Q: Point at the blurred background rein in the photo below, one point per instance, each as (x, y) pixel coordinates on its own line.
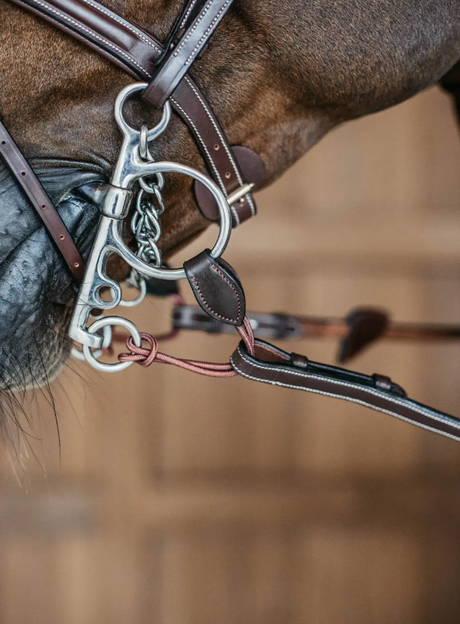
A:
(178, 499)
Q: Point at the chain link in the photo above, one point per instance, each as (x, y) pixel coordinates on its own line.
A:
(145, 223)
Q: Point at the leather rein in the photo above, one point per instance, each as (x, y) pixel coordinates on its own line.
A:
(224, 195)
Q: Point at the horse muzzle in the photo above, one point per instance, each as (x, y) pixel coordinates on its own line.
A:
(36, 288)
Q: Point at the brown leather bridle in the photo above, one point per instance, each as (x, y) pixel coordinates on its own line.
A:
(236, 170)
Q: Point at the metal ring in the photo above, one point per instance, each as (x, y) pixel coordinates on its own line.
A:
(143, 143)
(150, 188)
(78, 354)
(113, 321)
(124, 94)
(142, 288)
(225, 224)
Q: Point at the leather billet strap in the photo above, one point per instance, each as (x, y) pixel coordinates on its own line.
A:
(137, 52)
(273, 366)
(30, 184)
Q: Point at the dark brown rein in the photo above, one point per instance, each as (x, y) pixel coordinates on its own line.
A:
(216, 286)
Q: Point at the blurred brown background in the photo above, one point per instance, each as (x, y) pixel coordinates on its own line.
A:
(184, 500)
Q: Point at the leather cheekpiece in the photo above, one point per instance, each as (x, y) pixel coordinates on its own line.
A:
(178, 60)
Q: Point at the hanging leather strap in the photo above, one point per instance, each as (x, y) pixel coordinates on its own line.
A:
(137, 52)
(273, 366)
(30, 184)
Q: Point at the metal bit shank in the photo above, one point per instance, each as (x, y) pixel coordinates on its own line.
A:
(109, 237)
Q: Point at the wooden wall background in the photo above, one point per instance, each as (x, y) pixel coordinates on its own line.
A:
(180, 500)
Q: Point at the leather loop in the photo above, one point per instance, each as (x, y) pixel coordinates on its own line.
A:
(217, 288)
(382, 382)
(299, 361)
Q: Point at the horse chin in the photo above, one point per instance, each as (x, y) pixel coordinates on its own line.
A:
(35, 359)
(36, 288)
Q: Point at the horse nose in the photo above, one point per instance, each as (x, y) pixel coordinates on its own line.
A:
(37, 289)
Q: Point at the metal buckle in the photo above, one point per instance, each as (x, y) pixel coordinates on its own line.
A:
(239, 193)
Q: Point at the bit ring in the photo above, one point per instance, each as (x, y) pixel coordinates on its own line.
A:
(111, 321)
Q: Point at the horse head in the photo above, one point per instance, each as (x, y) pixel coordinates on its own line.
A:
(278, 78)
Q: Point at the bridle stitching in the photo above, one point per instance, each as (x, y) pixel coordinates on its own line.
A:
(224, 143)
(80, 26)
(205, 34)
(420, 410)
(202, 143)
(132, 59)
(187, 13)
(214, 168)
(130, 27)
(346, 398)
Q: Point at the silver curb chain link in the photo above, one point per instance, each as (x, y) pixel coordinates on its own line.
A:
(145, 223)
